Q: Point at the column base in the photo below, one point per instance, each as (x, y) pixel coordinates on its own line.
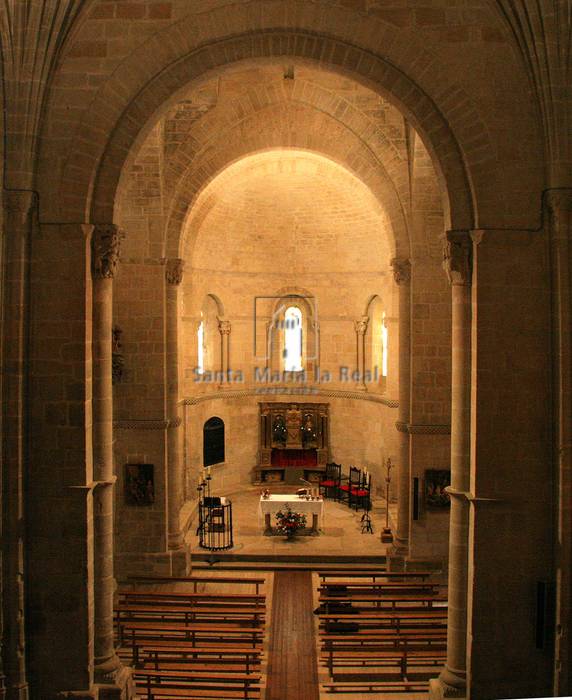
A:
(448, 685)
(114, 681)
(17, 692)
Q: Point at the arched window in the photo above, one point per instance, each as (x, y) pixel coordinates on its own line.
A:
(384, 339)
(201, 348)
(293, 339)
(213, 441)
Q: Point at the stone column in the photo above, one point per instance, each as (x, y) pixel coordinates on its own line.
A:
(559, 204)
(105, 256)
(175, 485)
(361, 329)
(402, 276)
(21, 208)
(224, 328)
(452, 681)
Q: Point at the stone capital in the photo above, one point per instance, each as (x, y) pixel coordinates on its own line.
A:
(401, 270)
(361, 325)
(174, 270)
(559, 204)
(224, 326)
(105, 246)
(457, 257)
(19, 204)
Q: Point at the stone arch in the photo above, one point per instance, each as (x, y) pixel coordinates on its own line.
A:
(367, 152)
(364, 166)
(91, 174)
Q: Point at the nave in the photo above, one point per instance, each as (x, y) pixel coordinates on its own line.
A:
(296, 630)
(280, 619)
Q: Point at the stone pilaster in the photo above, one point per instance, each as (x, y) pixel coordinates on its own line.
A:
(360, 327)
(174, 268)
(402, 276)
(457, 257)
(511, 499)
(106, 241)
(20, 217)
(559, 206)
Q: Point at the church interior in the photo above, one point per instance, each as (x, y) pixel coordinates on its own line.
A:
(285, 345)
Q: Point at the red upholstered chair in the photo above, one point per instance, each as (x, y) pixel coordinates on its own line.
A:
(353, 481)
(359, 497)
(329, 486)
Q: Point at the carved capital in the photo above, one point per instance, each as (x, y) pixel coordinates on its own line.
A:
(559, 204)
(174, 270)
(361, 325)
(457, 257)
(105, 246)
(401, 270)
(224, 326)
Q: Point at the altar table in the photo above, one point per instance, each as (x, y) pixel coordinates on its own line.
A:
(298, 504)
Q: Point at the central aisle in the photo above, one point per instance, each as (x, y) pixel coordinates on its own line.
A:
(292, 663)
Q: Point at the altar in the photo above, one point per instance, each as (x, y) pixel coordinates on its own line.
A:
(300, 504)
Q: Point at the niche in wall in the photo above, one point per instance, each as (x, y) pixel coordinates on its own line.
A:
(213, 441)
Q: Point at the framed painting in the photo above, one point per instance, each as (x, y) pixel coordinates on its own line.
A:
(139, 484)
(436, 481)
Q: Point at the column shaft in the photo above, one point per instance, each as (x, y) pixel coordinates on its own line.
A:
(20, 207)
(559, 204)
(105, 249)
(175, 485)
(402, 276)
(457, 262)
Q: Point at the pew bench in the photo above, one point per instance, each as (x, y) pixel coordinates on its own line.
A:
(187, 613)
(169, 652)
(161, 684)
(175, 598)
(374, 574)
(367, 586)
(376, 687)
(141, 633)
(197, 580)
(403, 658)
(393, 599)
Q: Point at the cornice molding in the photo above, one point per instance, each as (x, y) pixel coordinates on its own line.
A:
(290, 391)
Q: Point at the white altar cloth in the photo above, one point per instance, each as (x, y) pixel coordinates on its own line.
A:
(298, 504)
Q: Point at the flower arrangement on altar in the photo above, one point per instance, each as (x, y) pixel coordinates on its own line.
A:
(289, 522)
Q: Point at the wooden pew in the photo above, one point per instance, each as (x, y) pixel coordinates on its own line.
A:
(136, 634)
(160, 684)
(158, 654)
(196, 580)
(125, 612)
(393, 587)
(385, 619)
(402, 658)
(393, 599)
(374, 574)
(376, 687)
(175, 597)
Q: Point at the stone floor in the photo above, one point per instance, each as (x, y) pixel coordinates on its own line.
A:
(341, 533)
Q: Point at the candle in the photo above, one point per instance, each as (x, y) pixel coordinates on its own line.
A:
(208, 471)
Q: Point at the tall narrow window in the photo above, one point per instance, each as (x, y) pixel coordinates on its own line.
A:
(293, 339)
(201, 348)
(384, 337)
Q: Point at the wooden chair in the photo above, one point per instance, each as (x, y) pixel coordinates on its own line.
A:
(359, 497)
(353, 481)
(331, 483)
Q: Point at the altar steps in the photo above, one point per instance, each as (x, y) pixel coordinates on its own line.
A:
(213, 561)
